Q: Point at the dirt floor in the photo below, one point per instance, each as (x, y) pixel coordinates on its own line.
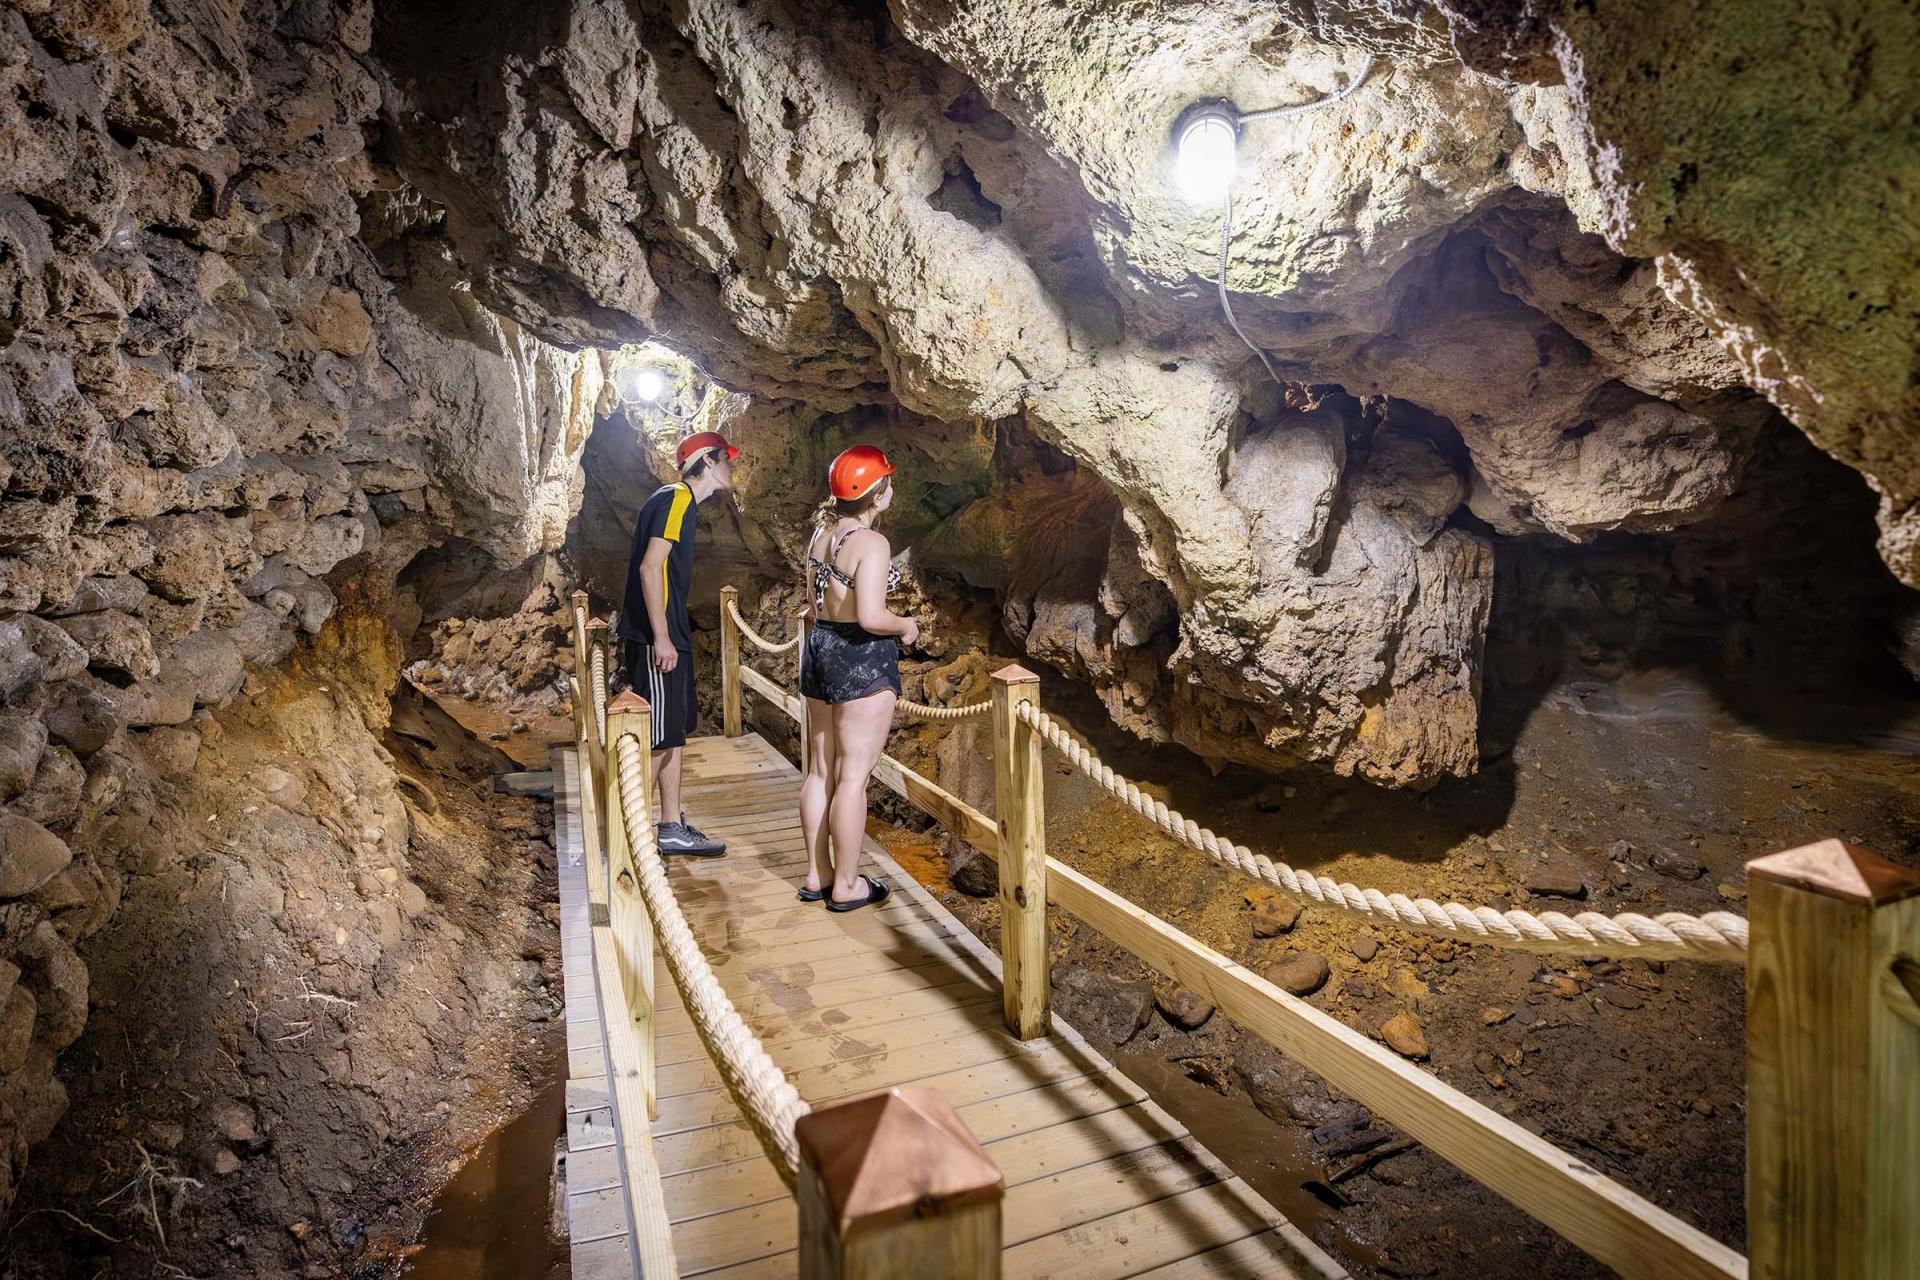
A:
(334, 971)
(1644, 793)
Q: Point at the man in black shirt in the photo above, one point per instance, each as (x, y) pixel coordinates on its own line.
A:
(657, 639)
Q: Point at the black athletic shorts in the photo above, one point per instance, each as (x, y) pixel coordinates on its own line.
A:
(843, 661)
(675, 711)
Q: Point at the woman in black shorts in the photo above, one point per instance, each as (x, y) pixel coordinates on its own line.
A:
(849, 675)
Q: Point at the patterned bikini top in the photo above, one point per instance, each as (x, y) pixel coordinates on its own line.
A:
(819, 571)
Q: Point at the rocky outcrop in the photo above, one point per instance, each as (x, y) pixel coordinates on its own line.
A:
(969, 212)
(220, 408)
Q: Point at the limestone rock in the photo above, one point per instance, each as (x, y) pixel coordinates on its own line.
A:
(1104, 1007)
(30, 855)
(1299, 973)
(1181, 1007)
(22, 740)
(85, 717)
(17, 1012)
(58, 977)
(53, 799)
(969, 870)
(116, 643)
(1403, 1035)
(1281, 1088)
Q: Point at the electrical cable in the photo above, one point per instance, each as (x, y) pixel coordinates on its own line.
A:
(1226, 212)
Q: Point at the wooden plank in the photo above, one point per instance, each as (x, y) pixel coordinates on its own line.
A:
(852, 1020)
(989, 1120)
(628, 1076)
(1019, 792)
(811, 979)
(1147, 1236)
(1275, 1253)
(1621, 1229)
(998, 1070)
(769, 997)
(1023, 1157)
(773, 693)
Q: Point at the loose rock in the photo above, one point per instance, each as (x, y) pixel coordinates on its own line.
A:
(1300, 973)
(1403, 1035)
(1274, 913)
(1102, 1006)
(30, 855)
(1182, 1007)
(968, 870)
(1364, 949)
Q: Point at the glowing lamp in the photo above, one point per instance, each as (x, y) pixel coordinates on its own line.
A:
(1206, 139)
(645, 384)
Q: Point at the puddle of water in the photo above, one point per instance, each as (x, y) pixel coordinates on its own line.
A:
(1275, 1160)
(491, 1221)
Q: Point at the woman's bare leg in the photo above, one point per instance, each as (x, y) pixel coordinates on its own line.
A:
(815, 790)
(859, 736)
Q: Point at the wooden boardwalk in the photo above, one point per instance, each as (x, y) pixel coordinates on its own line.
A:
(1100, 1181)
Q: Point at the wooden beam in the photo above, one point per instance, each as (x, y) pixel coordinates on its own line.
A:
(787, 702)
(729, 662)
(1622, 1230)
(1019, 810)
(1833, 1065)
(626, 1074)
(949, 810)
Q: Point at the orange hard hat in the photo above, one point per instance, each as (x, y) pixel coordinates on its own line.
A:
(854, 473)
(699, 445)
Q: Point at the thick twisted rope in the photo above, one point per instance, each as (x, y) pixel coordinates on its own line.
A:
(1718, 935)
(921, 711)
(754, 638)
(767, 1099)
(598, 661)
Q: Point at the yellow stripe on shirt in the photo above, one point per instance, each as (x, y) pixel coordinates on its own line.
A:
(682, 499)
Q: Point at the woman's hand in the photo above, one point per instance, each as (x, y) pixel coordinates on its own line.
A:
(910, 633)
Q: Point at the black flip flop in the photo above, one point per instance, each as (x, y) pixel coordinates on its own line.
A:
(811, 895)
(876, 894)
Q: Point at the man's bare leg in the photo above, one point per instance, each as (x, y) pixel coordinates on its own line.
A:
(666, 783)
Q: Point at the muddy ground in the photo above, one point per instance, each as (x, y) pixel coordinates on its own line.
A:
(334, 970)
(1644, 793)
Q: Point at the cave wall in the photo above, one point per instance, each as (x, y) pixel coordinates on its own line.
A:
(237, 382)
(967, 211)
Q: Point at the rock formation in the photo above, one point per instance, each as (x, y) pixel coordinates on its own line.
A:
(219, 407)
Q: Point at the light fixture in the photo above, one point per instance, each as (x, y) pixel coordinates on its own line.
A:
(1206, 140)
(645, 383)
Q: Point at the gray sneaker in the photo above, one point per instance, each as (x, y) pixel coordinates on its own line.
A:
(686, 840)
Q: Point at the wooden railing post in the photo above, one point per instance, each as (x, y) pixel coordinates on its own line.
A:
(895, 1186)
(729, 661)
(626, 912)
(582, 676)
(598, 633)
(800, 656)
(1020, 815)
(1833, 1065)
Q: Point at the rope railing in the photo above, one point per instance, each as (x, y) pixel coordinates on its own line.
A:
(757, 640)
(921, 711)
(767, 1099)
(1718, 935)
(598, 658)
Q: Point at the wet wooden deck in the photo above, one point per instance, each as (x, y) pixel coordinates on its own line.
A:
(1101, 1182)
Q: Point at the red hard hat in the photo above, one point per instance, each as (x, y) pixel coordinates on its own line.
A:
(701, 443)
(854, 473)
